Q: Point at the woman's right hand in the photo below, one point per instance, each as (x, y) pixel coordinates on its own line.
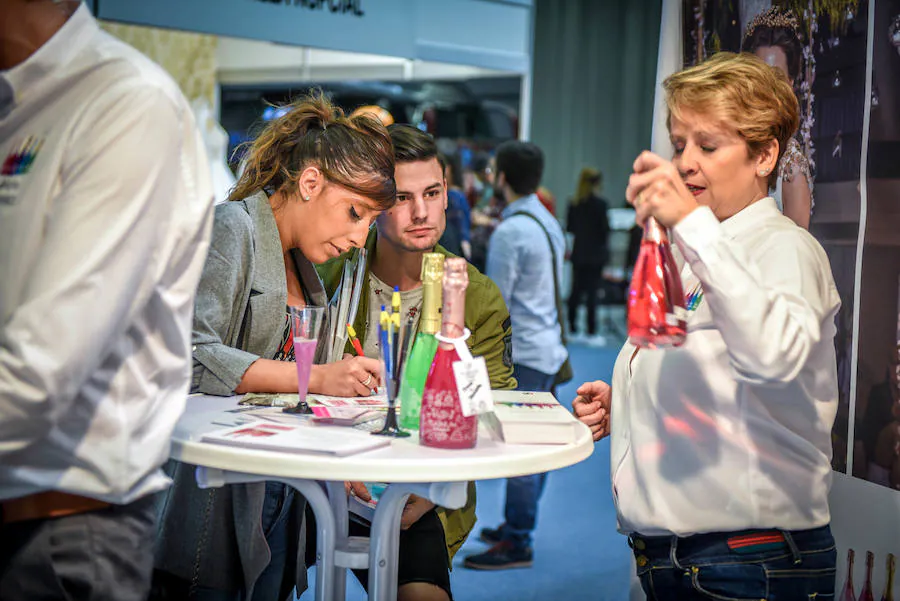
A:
(591, 406)
(351, 376)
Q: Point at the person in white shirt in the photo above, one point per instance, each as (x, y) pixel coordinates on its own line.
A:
(721, 448)
(105, 214)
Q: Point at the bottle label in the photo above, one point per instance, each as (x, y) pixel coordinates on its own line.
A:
(474, 386)
(677, 318)
(472, 381)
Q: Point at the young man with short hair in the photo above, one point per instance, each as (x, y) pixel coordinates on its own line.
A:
(403, 234)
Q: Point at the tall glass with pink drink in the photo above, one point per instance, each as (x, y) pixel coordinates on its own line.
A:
(306, 323)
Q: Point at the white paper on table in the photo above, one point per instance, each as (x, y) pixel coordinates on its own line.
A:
(375, 401)
(268, 436)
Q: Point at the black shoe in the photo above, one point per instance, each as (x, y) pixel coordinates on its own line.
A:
(492, 536)
(502, 556)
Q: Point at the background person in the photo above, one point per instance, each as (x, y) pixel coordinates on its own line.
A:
(525, 260)
(589, 225)
(457, 236)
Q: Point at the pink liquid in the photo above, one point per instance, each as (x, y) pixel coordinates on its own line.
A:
(304, 351)
(656, 313)
(441, 423)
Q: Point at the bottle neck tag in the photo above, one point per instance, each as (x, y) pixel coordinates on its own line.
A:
(472, 380)
(458, 343)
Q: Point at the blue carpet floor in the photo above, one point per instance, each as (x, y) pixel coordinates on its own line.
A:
(579, 556)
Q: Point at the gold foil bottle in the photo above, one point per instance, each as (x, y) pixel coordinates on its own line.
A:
(416, 366)
(432, 282)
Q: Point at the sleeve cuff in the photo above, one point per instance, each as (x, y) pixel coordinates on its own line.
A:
(697, 233)
(221, 368)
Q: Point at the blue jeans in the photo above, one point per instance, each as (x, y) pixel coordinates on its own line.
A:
(523, 492)
(738, 566)
(275, 515)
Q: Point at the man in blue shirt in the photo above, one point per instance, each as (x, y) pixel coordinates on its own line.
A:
(520, 260)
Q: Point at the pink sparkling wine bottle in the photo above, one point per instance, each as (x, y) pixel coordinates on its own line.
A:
(656, 312)
(442, 423)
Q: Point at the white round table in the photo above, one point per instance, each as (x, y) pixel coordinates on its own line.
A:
(438, 475)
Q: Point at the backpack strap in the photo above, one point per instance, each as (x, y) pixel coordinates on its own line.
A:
(556, 293)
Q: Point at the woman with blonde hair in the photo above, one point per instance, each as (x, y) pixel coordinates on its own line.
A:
(589, 225)
(313, 183)
(721, 448)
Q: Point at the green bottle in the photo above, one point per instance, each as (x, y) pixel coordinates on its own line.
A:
(415, 371)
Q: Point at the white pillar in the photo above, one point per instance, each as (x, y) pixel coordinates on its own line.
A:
(669, 61)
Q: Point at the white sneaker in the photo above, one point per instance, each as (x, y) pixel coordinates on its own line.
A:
(596, 341)
(576, 338)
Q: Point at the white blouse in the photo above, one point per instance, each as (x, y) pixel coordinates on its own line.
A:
(732, 430)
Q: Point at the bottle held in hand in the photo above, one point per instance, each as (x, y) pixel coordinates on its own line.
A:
(656, 312)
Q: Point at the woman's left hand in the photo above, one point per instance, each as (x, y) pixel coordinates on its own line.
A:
(657, 190)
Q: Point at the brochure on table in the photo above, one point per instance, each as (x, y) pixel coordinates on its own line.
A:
(530, 418)
(296, 438)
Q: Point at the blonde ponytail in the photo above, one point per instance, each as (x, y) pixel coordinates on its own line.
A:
(355, 153)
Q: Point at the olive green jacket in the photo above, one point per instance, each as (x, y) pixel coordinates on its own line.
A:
(491, 337)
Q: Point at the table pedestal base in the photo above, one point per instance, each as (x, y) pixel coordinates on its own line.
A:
(336, 551)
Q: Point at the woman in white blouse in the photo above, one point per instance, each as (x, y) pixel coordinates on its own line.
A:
(720, 449)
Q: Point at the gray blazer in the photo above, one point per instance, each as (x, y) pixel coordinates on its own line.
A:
(215, 536)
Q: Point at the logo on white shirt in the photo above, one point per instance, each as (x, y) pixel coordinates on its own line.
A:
(20, 160)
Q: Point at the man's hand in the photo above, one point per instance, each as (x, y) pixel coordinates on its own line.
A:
(591, 406)
(415, 508)
(358, 489)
